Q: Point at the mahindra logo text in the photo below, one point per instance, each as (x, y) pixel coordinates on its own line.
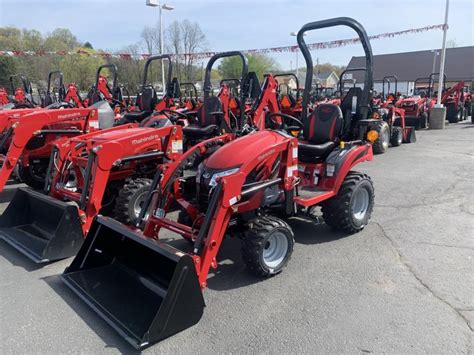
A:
(266, 155)
(145, 139)
(70, 115)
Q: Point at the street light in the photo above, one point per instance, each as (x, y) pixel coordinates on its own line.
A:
(435, 54)
(294, 34)
(156, 3)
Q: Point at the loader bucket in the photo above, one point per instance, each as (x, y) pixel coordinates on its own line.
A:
(41, 227)
(144, 289)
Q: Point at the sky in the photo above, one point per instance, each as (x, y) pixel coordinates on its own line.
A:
(246, 24)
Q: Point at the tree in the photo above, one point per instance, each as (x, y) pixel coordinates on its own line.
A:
(32, 40)
(193, 40)
(10, 39)
(151, 39)
(174, 44)
(7, 68)
(259, 63)
(130, 71)
(328, 67)
(61, 39)
(185, 37)
(81, 69)
(88, 45)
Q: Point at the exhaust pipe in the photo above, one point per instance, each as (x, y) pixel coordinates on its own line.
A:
(144, 289)
(41, 227)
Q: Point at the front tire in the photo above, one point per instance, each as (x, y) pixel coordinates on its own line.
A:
(33, 175)
(383, 141)
(267, 246)
(130, 200)
(351, 208)
(396, 138)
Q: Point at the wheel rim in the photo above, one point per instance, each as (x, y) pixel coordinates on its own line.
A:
(275, 249)
(139, 202)
(385, 138)
(360, 203)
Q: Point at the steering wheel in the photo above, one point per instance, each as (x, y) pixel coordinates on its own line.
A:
(297, 124)
(167, 112)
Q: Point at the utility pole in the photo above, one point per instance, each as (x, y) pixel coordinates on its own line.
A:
(443, 56)
(438, 112)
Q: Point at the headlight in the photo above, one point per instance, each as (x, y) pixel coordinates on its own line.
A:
(213, 181)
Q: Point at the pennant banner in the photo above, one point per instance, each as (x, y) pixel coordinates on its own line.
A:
(204, 55)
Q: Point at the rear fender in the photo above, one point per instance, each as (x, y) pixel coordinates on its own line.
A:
(341, 161)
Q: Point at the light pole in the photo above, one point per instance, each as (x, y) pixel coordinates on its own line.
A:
(156, 3)
(294, 34)
(443, 56)
(435, 54)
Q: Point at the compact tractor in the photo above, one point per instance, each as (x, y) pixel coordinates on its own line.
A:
(22, 95)
(148, 290)
(455, 101)
(107, 171)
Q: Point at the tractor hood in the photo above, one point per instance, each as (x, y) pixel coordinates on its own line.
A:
(127, 134)
(243, 149)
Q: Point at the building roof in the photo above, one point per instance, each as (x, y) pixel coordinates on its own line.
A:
(409, 66)
(323, 75)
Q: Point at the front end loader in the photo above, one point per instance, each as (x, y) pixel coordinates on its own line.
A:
(240, 187)
(87, 174)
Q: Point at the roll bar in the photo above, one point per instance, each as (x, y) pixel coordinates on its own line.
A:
(24, 80)
(193, 88)
(342, 81)
(245, 69)
(169, 74)
(293, 75)
(339, 21)
(113, 67)
(61, 90)
(386, 79)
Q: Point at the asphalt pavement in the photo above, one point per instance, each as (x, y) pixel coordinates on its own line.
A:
(405, 284)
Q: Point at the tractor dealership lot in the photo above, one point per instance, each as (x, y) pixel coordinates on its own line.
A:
(403, 284)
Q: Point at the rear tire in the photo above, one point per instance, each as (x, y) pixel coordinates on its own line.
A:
(452, 114)
(130, 200)
(396, 138)
(383, 141)
(267, 246)
(351, 208)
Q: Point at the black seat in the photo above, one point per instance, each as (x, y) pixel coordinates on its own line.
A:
(207, 122)
(350, 106)
(320, 132)
(146, 102)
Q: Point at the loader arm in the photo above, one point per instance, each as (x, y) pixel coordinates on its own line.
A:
(268, 99)
(455, 90)
(37, 123)
(135, 145)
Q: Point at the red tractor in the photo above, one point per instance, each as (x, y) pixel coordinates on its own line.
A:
(22, 94)
(455, 101)
(239, 189)
(290, 100)
(417, 107)
(106, 172)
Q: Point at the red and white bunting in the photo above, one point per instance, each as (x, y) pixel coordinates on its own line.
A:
(204, 55)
